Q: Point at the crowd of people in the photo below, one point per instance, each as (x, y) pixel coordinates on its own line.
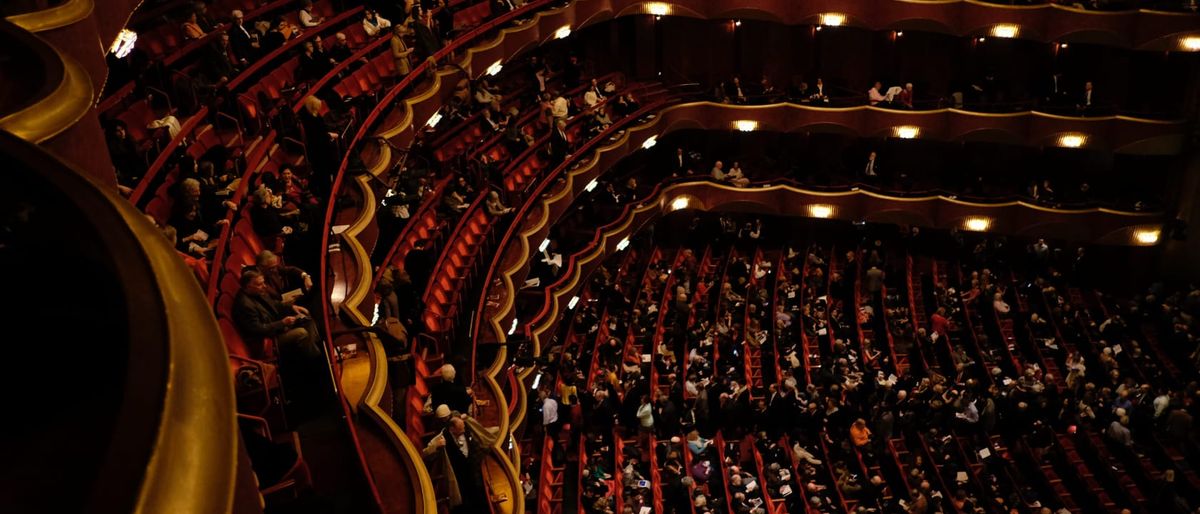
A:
(986, 93)
(870, 406)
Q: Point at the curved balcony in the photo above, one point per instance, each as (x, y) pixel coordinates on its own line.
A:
(57, 94)
(1103, 226)
(1141, 29)
(555, 195)
(133, 409)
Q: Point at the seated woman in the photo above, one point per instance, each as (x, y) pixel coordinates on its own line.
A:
(374, 24)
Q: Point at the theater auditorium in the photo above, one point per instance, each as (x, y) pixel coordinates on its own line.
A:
(600, 256)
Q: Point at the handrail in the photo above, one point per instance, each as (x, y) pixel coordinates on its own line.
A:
(65, 101)
(185, 131)
(178, 401)
(386, 103)
(657, 199)
(422, 483)
(549, 179)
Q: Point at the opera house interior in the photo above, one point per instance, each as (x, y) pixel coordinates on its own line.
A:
(601, 256)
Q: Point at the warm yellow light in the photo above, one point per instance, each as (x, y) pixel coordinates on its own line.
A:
(124, 43)
(1005, 30)
(1190, 43)
(977, 224)
(563, 32)
(495, 68)
(658, 8)
(679, 203)
(1072, 140)
(745, 125)
(907, 132)
(833, 19)
(433, 120)
(820, 210)
(650, 142)
(1147, 237)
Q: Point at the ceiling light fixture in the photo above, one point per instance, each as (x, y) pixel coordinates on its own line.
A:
(1147, 237)
(907, 132)
(1006, 31)
(833, 19)
(977, 224)
(1072, 140)
(745, 125)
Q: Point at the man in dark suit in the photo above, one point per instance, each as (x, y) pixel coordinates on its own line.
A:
(679, 163)
(256, 316)
(419, 263)
(560, 146)
(244, 40)
(460, 453)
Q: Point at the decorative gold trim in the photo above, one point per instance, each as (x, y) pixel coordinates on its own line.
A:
(193, 465)
(59, 110)
(71, 11)
(192, 456)
(425, 496)
(662, 125)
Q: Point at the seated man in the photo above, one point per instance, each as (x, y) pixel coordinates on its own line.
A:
(282, 279)
(257, 315)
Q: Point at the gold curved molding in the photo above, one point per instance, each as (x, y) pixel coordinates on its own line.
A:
(661, 125)
(192, 460)
(59, 110)
(423, 493)
(70, 12)
(535, 24)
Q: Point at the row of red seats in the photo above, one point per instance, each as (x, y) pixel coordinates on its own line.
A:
(457, 263)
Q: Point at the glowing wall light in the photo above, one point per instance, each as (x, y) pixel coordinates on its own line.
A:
(513, 329)
(1072, 140)
(545, 244)
(649, 143)
(1147, 236)
(433, 120)
(820, 210)
(495, 68)
(1190, 43)
(907, 132)
(562, 32)
(833, 19)
(658, 8)
(977, 224)
(1005, 30)
(123, 44)
(573, 302)
(745, 125)
(591, 185)
(623, 244)
(679, 203)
